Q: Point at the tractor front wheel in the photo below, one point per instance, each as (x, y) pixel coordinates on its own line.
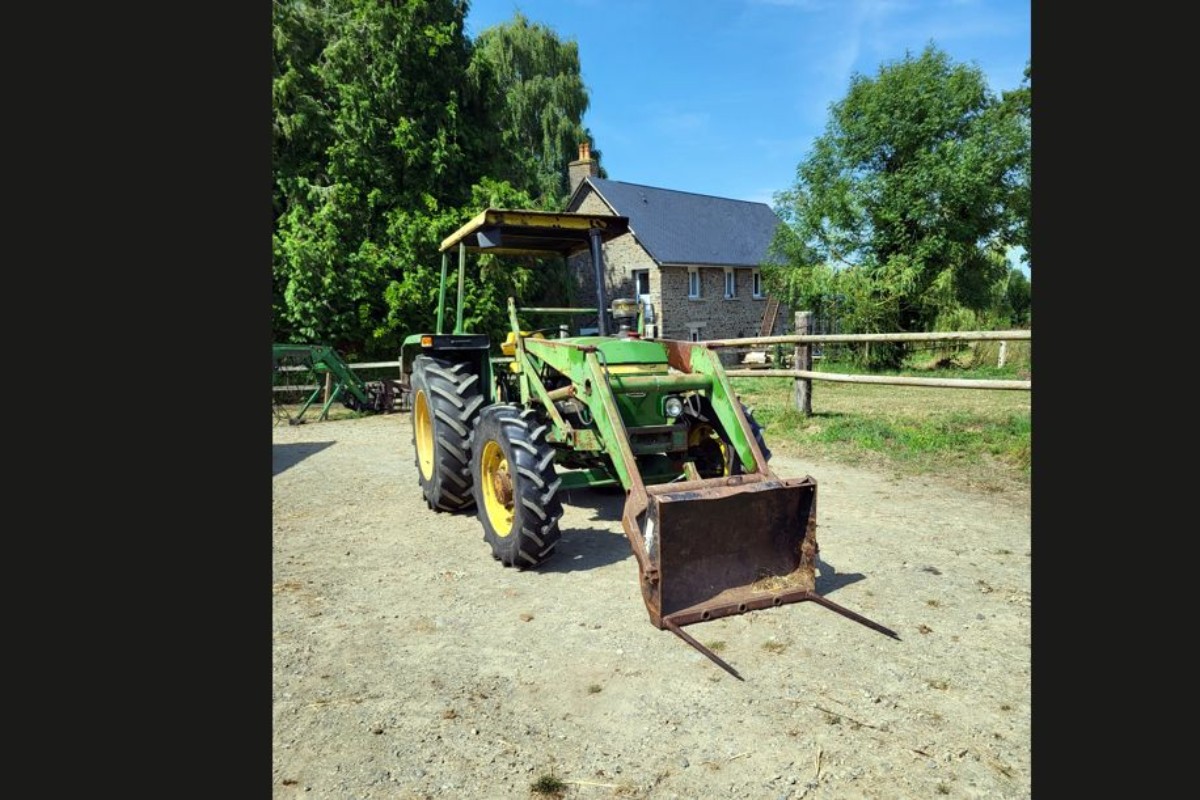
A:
(709, 445)
(445, 401)
(515, 485)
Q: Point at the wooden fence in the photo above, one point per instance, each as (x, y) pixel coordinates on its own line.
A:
(802, 360)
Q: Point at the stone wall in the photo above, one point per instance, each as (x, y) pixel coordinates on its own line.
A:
(622, 255)
(712, 314)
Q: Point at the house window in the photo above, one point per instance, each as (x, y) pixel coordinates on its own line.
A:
(730, 284)
(641, 282)
(694, 331)
(693, 283)
(756, 282)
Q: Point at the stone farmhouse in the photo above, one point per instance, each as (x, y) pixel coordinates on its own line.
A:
(694, 258)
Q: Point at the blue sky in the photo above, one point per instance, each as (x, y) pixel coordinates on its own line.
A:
(725, 97)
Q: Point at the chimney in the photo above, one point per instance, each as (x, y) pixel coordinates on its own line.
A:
(583, 167)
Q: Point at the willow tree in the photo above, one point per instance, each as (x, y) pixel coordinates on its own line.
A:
(911, 194)
(532, 84)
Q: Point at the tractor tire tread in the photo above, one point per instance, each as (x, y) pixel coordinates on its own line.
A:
(452, 391)
(537, 508)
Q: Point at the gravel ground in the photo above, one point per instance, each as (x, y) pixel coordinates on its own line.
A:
(410, 664)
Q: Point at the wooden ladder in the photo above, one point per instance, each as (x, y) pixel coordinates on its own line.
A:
(769, 315)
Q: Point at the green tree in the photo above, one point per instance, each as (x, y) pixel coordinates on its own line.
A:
(1019, 104)
(489, 281)
(1018, 297)
(532, 83)
(389, 131)
(909, 195)
(526, 86)
(300, 127)
(374, 132)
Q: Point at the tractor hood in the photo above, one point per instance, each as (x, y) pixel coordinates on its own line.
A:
(626, 350)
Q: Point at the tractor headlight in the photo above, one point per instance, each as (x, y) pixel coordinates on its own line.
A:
(672, 406)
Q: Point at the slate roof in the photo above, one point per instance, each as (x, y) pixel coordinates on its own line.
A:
(685, 228)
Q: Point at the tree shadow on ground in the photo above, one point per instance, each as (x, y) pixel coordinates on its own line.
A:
(286, 456)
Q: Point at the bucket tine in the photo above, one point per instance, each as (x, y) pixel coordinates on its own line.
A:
(859, 618)
(716, 659)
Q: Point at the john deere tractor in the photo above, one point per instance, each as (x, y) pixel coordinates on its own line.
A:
(713, 530)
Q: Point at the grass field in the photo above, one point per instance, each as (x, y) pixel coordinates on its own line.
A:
(978, 438)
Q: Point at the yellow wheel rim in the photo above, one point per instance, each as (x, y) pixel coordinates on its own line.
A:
(423, 424)
(706, 434)
(497, 488)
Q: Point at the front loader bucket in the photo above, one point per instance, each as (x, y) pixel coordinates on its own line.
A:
(727, 548)
(722, 546)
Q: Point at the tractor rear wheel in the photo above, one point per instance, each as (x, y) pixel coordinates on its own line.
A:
(445, 401)
(515, 485)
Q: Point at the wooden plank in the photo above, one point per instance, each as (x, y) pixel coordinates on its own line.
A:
(893, 380)
(948, 336)
(769, 315)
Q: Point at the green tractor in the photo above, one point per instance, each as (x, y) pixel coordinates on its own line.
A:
(713, 530)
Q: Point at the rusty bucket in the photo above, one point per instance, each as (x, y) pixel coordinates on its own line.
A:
(730, 548)
(712, 548)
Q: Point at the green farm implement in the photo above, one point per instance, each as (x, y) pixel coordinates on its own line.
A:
(316, 363)
(715, 532)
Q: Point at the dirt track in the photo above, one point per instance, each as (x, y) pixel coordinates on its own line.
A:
(410, 664)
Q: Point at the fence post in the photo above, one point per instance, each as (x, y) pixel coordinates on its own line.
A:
(802, 359)
(328, 387)
(1003, 353)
